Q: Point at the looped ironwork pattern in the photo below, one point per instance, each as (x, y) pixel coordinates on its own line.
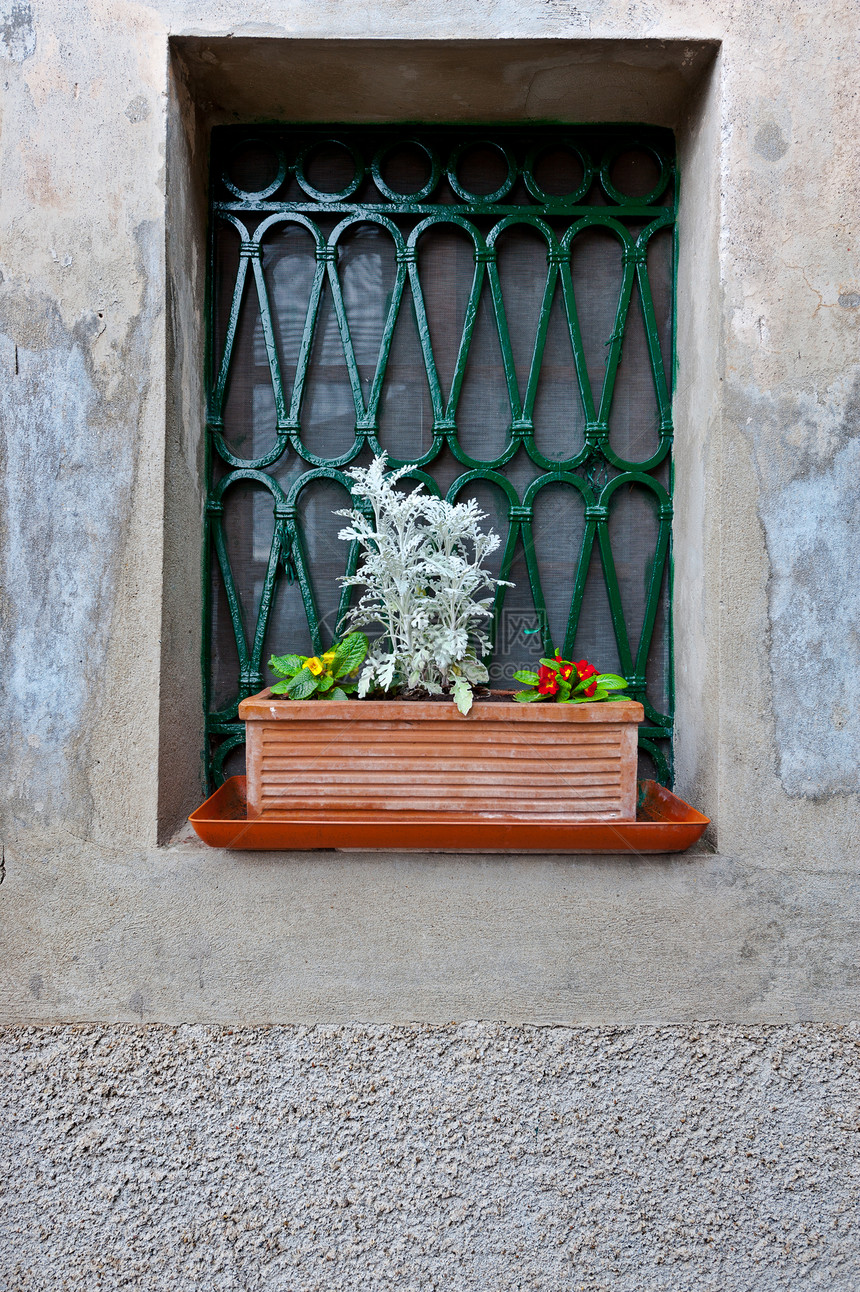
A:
(367, 194)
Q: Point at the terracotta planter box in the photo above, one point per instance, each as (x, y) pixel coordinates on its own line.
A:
(396, 761)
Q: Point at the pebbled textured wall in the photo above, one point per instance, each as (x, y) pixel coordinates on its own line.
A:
(367, 1159)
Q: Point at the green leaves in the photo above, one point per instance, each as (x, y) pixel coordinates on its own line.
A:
(302, 686)
(286, 665)
(343, 660)
(526, 676)
(607, 683)
(561, 680)
(349, 654)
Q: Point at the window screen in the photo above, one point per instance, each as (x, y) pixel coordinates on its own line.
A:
(493, 305)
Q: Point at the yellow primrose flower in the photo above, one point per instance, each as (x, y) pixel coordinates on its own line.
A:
(328, 659)
(314, 665)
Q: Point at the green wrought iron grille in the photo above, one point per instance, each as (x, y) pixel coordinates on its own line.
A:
(493, 305)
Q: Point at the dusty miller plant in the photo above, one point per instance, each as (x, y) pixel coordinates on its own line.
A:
(422, 570)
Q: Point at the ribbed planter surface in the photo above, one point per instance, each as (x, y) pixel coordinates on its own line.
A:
(366, 759)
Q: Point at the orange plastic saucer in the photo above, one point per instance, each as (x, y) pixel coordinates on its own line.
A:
(664, 823)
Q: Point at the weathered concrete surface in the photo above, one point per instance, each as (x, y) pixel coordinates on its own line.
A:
(358, 1159)
(806, 453)
(112, 388)
(190, 934)
(102, 158)
(82, 413)
(181, 773)
(506, 78)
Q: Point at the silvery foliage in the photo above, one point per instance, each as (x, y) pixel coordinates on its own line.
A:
(422, 570)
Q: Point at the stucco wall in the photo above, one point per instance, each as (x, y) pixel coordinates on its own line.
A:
(473, 1157)
(104, 146)
(106, 113)
(106, 106)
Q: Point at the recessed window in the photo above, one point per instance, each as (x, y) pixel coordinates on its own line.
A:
(494, 305)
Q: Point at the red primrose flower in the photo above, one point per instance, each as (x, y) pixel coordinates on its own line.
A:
(584, 670)
(547, 680)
